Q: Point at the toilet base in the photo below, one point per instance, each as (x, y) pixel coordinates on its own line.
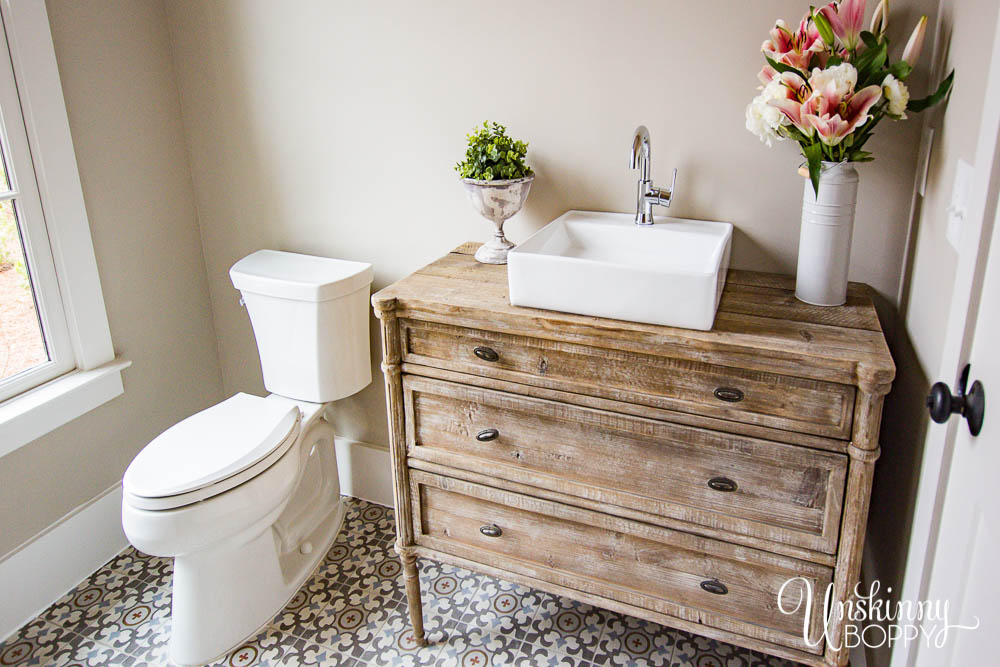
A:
(225, 595)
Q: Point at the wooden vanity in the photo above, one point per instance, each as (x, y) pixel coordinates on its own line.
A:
(675, 475)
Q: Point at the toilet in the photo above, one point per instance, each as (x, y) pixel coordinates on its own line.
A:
(244, 495)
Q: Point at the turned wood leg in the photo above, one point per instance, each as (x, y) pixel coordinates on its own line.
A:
(412, 579)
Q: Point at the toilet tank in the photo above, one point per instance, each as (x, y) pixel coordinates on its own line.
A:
(310, 319)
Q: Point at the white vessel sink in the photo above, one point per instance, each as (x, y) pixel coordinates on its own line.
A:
(603, 264)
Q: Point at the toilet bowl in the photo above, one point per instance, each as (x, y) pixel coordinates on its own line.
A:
(245, 495)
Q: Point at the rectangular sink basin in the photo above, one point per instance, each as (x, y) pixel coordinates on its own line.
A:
(603, 264)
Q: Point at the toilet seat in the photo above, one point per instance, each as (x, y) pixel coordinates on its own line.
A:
(211, 452)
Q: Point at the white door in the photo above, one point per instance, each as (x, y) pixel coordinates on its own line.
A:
(954, 532)
(969, 539)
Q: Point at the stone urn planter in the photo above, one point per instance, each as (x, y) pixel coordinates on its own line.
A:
(496, 201)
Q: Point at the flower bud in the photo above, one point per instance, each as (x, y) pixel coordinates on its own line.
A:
(880, 19)
(916, 43)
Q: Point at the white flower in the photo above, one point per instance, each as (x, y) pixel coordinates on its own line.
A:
(897, 94)
(842, 78)
(763, 119)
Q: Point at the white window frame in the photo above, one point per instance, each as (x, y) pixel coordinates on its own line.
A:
(83, 372)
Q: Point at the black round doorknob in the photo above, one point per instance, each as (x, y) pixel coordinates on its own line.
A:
(941, 404)
(971, 404)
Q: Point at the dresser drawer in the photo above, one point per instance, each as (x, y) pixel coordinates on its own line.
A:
(723, 482)
(688, 577)
(764, 399)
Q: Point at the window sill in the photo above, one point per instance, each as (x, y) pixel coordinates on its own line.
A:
(32, 414)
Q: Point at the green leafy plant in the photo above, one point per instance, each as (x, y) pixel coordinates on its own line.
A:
(492, 155)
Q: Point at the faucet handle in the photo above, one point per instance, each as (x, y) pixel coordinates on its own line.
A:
(673, 184)
(663, 197)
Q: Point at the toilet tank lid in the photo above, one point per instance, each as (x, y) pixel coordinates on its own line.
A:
(289, 275)
(211, 446)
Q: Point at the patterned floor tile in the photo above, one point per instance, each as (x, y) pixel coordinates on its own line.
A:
(533, 655)
(89, 604)
(42, 643)
(566, 627)
(446, 590)
(273, 648)
(368, 519)
(697, 651)
(500, 607)
(635, 643)
(761, 660)
(381, 574)
(394, 644)
(469, 646)
(132, 623)
(34, 642)
(353, 612)
(342, 565)
(369, 566)
(151, 569)
(152, 646)
(347, 624)
(306, 607)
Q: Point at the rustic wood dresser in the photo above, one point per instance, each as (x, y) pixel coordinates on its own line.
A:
(679, 476)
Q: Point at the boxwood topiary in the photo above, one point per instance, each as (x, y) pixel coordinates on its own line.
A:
(492, 155)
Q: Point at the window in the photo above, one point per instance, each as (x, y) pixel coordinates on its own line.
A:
(56, 357)
(34, 341)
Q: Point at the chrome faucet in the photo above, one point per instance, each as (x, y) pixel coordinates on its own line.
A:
(648, 195)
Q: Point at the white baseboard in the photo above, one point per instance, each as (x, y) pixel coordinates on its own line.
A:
(40, 571)
(365, 471)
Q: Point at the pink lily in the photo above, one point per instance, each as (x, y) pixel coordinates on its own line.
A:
(847, 20)
(792, 106)
(766, 74)
(795, 49)
(848, 115)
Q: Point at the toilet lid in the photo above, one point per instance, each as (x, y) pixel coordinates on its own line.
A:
(211, 446)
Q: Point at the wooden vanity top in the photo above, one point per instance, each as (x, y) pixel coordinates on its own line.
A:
(760, 324)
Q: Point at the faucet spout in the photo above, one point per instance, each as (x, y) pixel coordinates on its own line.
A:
(640, 155)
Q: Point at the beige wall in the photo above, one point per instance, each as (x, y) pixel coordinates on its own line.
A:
(919, 332)
(121, 96)
(934, 260)
(332, 128)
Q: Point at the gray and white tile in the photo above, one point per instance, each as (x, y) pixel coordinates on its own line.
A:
(501, 607)
(566, 627)
(353, 612)
(634, 642)
(467, 646)
(42, 643)
(394, 644)
(697, 651)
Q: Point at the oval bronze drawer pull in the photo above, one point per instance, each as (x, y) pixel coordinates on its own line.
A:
(714, 586)
(486, 353)
(487, 434)
(729, 394)
(722, 484)
(492, 530)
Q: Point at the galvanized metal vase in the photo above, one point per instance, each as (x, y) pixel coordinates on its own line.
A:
(497, 201)
(825, 238)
